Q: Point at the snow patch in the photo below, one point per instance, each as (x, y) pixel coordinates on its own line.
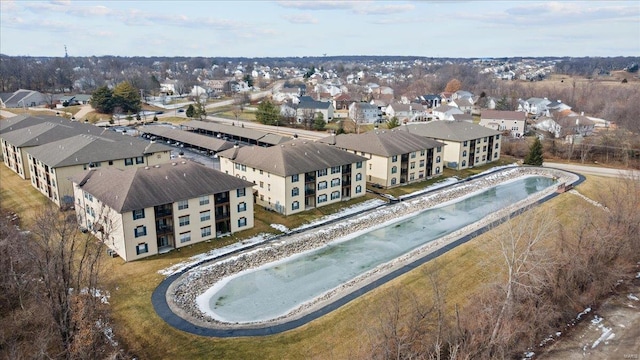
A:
(632, 297)
(584, 312)
(280, 228)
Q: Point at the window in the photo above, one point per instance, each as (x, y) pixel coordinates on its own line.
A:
(139, 160)
(464, 143)
(322, 185)
(237, 166)
(394, 158)
(205, 215)
(128, 162)
(205, 231)
(359, 165)
(335, 170)
(413, 165)
(421, 163)
(438, 159)
(140, 231)
(439, 149)
(497, 145)
(412, 177)
(495, 156)
(138, 214)
(242, 222)
(241, 192)
(261, 172)
(335, 182)
(438, 170)
(142, 248)
(242, 207)
(422, 152)
(477, 158)
(110, 162)
(295, 191)
(464, 153)
(87, 209)
(358, 189)
(243, 167)
(335, 195)
(204, 199)
(261, 184)
(183, 204)
(185, 236)
(295, 205)
(268, 187)
(413, 155)
(295, 177)
(322, 172)
(464, 163)
(358, 177)
(484, 157)
(484, 148)
(497, 136)
(322, 198)
(184, 220)
(394, 169)
(393, 181)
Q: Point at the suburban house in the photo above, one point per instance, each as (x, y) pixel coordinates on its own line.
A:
(430, 100)
(51, 164)
(298, 175)
(307, 104)
(365, 113)
(513, 121)
(405, 112)
(139, 212)
(22, 99)
(463, 117)
(466, 144)
(395, 157)
(342, 102)
(534, 106)
(465, 104)
(576, 125)
(461, 94)
(445, 112)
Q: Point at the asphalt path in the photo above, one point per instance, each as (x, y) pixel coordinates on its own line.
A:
(593, 170)
(161, 306)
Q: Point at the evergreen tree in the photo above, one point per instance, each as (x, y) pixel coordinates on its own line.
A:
(102, 100)
(126, 97)
(191, 111)
(267, 113)
(534, 157)
(393, 123)
(319, 122)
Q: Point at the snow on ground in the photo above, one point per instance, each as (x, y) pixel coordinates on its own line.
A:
(590, 201)
(633, 297)
(280, 228)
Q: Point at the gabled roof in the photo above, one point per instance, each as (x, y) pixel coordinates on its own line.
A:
(47, 132)
(292, 157)
(307, 102)
(503, 115)
(382, 142)
(449, 130)
(143, 187)
(448, 109)
(463, 117)
(85, 149)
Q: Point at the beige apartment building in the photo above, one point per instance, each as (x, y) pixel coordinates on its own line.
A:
(466, 144)
(298, 175)
(394, 157)
(139, 212)
(52, 164)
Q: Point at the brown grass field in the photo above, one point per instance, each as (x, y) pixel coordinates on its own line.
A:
(341, 334)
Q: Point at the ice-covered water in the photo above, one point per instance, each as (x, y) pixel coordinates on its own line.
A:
(277, 288)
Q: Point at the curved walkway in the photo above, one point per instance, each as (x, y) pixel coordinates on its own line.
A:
(161, 306)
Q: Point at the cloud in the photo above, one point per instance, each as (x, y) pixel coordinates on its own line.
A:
(384, 9)
(300, 19)
(357, 7)
(317, 5)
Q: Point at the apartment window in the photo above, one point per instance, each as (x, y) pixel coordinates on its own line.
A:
(237, 166)
(422, 152)
(87, 209)
(110, 162)
(128, 161)
(335, 170)
(484, 157)
(497, 136)
(241, 192)
(184, 220)
(394, 169)
(242, 222)
(335, 182)
(295, 177)
(242, 207)
(393, 181)
(477, 158)
(205, 231)
(268, 187)
(358, 176)
(464, 153)
(243, 167)
(138, 214)
(183, 204)
(394, 158)
(497, 145)
(185, 237)
(139, 160)
(260, 172)
(413, 155)
(412, 177)
(335, 195)
(464, 143)
(205, 215)
(322, 198)
(142, 248)
(359, 165)
(204, 199)
(464, 163)
(413, 165)
(295, 191)
(358, 189)
(439, 149)
(438, 170)
(484, 140)
(322, 185)
(438, 159)
(421, 163)
(322, 172)
(261, 184)
(295, 205)
(495, 156)
(140, 231)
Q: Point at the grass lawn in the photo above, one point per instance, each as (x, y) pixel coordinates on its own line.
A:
(340, 334)
(244, 115)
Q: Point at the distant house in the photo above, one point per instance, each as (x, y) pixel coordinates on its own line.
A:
(139, 212)
(395, 157)
(431, 100)
(465, 104)
(534, 106)
(467, 145)
(445, 112)
(22, 99)
(576, 125)
(342, 102)
(405, 112)
(463, 117)
(513, 121)
(308, 104)
(556, 106)
(461, 94)
(365, 112)
(298, 175)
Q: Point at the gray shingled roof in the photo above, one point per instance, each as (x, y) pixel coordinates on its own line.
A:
(383, 142)
(85, 149)
(47, 132)
(142, 187)
(503, 115)
(188, 137)
(449, 130)
(293, 157)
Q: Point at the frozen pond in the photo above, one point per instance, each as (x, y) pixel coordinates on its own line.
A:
(276, 288)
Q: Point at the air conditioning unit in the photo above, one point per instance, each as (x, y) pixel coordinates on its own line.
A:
(112, 253)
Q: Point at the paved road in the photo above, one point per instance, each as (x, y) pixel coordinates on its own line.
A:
(592, 170)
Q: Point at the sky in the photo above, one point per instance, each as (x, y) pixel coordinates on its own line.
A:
(264, 28)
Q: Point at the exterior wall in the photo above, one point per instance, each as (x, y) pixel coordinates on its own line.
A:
(380, 168)
(234, 200)
(485, 151)
(15, 158)
(517, 127)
